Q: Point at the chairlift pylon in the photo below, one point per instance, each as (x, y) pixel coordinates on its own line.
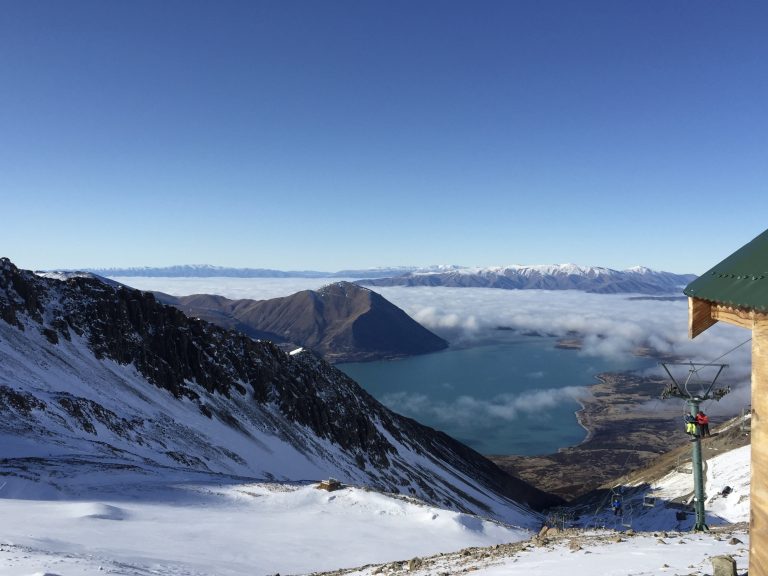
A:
(693, 399)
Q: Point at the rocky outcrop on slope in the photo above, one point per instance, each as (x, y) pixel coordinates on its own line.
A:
(342, 322)
(81, 359)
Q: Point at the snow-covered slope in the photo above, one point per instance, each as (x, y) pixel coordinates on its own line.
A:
(107, 377)
(198, 524)
(648, 538)
(638, 280)
(666, 503)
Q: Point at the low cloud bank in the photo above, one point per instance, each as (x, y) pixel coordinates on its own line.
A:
(611, 326)
(468, 410)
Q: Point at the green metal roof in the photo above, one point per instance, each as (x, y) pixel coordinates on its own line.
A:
(740, 280)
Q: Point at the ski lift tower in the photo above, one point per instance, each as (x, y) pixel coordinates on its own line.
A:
(694, 391)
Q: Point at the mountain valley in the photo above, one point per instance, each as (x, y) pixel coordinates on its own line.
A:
(118, 409)
(105, 374)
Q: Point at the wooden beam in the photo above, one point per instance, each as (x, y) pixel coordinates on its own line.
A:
(758, 514)
(742, 317)
(736, 316)
(702, 314)
(699, 316)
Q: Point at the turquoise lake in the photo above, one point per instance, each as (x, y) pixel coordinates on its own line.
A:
(514, 395)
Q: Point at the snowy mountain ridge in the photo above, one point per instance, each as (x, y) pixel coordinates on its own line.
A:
(595, 279)
(386, 272)
(207, 270)
(108, 377)
(551, 269)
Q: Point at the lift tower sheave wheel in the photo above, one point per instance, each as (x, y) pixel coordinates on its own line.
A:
(694, 391)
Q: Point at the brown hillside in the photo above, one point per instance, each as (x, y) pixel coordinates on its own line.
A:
(343, 322)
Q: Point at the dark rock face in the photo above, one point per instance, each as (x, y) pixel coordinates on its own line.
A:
(342, 322)
(201, 363)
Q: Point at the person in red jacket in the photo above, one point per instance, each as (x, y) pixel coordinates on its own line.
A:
(703, 421)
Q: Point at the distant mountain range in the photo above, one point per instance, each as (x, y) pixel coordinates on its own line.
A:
(638, 280)
(207, 271)
(343, 322)
(595, 279)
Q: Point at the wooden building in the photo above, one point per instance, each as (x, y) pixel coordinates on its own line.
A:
(736, 291)
(330, 485)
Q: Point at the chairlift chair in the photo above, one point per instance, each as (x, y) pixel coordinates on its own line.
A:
(694, 385)
(626, 518)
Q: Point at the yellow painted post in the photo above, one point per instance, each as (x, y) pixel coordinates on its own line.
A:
(758, 522)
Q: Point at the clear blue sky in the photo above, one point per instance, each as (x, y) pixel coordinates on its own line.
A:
(336, 134)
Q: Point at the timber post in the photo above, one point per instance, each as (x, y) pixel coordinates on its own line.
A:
(758, 517)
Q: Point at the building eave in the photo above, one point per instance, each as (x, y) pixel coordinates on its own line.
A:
(704, 313)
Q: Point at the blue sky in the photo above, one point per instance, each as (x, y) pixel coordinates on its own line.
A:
(341, 134)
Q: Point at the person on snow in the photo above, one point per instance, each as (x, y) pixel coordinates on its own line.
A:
(703, 422)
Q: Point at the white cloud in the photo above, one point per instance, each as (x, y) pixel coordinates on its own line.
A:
(468, 411)
(612, 326)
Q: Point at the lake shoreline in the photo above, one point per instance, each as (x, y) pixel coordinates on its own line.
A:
(516, 394)
(624, 433)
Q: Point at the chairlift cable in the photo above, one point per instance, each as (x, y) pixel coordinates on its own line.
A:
(615, 491)
(731, 350)
(724, 355)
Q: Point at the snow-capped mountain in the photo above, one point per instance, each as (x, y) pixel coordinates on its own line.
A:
(637, 280)
(108, 377)
(205, 271)
(208, 271)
